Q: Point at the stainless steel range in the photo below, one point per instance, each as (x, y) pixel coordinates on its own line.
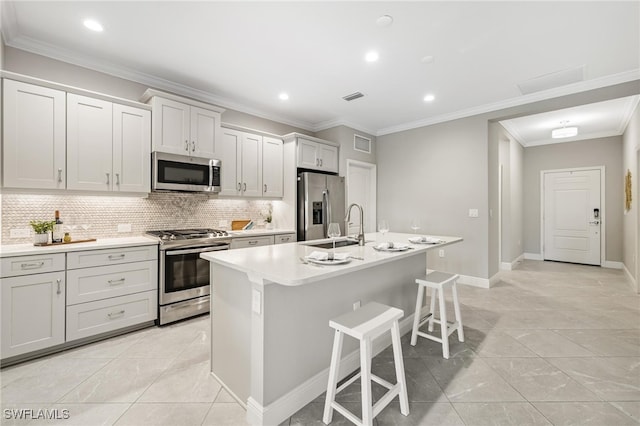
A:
(184, 277)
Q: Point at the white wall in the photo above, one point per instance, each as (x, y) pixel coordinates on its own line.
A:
(631, 218)
(344, 136)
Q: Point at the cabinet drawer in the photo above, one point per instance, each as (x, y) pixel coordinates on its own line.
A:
(88, 319)
(34, 264)
(285, 238)
(85, 259)
(251, 242)
(89, 284)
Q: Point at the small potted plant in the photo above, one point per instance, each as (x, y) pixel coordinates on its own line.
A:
(41, 229)
(268, 217)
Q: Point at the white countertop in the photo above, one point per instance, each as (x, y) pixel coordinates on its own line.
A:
(101, 243)
(281, 263)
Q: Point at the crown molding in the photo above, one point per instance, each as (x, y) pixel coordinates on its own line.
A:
(65, 55)
(628, 113)
(513, 132)
(596, 83)
(324, 125)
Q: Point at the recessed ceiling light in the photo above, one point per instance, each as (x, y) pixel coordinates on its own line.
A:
(384, 21)
(427, 59)
(371, 56)
(283, 96)
(429, 97)
(93, 25)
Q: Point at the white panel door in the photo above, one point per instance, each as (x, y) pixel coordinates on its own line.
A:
(204, 128)
(34, 136)
(272, 167)
(229, 151)
(251, 165)
(131, 149)
(89, 143)
(572, 216)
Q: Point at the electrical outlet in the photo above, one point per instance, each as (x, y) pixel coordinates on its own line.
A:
(19, 233)
(124, 227)
(223, 224)
(256, 301)
(473, 212)
(356, 305)
(441, 253)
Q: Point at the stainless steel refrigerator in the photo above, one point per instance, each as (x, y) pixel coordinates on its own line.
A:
(321, 200)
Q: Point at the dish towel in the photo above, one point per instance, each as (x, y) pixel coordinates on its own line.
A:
(425, 240)
(324, 255)
(391, 245)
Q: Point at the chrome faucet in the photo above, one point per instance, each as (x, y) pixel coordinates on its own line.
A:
(346, 223)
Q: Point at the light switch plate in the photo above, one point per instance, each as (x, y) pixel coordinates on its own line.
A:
(473, 212)
(256, 301)
(19, 233)
(124, 227)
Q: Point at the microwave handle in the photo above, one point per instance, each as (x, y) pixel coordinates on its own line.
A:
(210, 173)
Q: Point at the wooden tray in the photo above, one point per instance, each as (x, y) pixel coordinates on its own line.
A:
(237, 225)
(88, 240)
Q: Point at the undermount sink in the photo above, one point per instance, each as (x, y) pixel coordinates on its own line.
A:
(339, 243)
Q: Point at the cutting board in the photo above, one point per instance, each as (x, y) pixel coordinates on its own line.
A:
(237, 225)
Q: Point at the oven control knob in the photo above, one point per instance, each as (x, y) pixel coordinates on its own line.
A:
(172, 237)
(212, 234)
(164, 237)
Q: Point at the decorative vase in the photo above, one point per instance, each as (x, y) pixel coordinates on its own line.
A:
(40, 239)
(269, 225)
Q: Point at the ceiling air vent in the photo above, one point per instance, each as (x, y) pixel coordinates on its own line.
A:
(352, 96)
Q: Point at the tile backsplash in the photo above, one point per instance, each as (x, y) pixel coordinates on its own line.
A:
(102, 214)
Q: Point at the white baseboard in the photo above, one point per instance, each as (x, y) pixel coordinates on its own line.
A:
(613, 265)
(495, 279)
(533, 256)
(506, 266)
(290, 403)
(474, 281)
(634, 282)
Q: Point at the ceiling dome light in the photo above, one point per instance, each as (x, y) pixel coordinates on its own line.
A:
(384, 21)
(283, 96)
(371, 56)
(564, 131)
(93, 25)
(429, 98)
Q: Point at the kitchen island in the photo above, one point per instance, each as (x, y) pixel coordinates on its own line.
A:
(270, 312)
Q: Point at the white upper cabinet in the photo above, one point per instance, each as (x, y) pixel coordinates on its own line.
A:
(131, 149)
(34, 135)
(89, 143)
(317, 155)
(251, 165)
(230, 179)
(272, 167)
(184, 127)
(108, 146)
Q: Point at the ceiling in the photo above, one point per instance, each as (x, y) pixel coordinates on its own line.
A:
(473, 57)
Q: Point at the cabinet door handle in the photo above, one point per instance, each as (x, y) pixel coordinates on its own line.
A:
(107, 178)
(239, 186)
(265, 187)
(186, 145)
(317, 162)
(321, 162)
(193, 146)
(117, 178)
(116, 256)
(112, 315)
(244, 187)
(60, 175)
(31, 265)
(59, 281)
(116, 282)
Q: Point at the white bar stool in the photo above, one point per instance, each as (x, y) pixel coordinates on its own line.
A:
(365, 324)
(437, 281)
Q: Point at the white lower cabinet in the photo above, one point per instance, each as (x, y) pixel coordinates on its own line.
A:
(33, 312)
(100, 316)
(245, 242)
(284, 238)
(110, 289)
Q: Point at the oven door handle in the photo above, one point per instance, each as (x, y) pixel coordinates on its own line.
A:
(197, 250)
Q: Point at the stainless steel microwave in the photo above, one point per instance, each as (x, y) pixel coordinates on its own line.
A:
(172, 172)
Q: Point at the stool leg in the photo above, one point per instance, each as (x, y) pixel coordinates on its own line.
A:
(456, 308)
(365, 377)
(443, 325)
(432, 308)
(416, 316)
(334, 368)
(399, 363)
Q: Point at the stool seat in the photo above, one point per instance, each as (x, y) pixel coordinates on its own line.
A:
(365, 324)
(437, 281)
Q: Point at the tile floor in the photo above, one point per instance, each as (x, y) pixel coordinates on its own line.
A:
(551, 344)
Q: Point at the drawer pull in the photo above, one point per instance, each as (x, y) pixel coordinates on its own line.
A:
(112, 315)
(116, 256)
(116, 282)
(59, 281)
(285, 239)
(253, 243)
(35, 265)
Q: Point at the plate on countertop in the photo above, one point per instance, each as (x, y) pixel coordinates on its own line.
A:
(394, 247)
